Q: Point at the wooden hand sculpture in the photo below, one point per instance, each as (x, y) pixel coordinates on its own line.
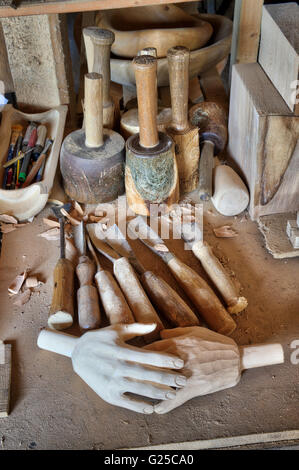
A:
(112, 368)
(213, 362)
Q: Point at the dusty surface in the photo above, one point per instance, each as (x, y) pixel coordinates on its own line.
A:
(52, 408)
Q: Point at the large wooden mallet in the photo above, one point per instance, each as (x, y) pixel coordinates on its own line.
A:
(92, 159)
(185, 136)
(151, 175)
(98, 47)
(211, 120)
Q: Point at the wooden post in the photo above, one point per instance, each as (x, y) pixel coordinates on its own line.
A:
(246, 31)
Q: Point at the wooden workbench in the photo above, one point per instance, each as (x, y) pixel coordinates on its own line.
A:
(52, 408)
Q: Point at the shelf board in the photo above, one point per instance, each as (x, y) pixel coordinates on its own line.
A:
(26, 8)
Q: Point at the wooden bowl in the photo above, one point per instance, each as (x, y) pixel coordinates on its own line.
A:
(201, 60)
(159, 26)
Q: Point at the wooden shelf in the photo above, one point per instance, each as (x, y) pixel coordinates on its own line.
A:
(26, 8)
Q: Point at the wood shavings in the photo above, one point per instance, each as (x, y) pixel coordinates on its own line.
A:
(72, 220)
(8, 219)
(95, 219)
(52, 234)
(51, 222)
(78, 208)
(160, 247)
(17, 283)
(32, 282)
(226, 231)
(23, 298)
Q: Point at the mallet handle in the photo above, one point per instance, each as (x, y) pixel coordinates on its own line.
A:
(98, 46)
(178, 68)
(145, 67)
(93, 110)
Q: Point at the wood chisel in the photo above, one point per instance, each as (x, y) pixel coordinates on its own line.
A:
(135, 295)
(192, 234)
(164, 298)
(112, 298)
(62, 308)
(89, 316)
(199, 292)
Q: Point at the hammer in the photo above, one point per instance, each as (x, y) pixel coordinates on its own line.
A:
(151, 175)
(185, 136)
(62, 308)
(92, 159)
(211, 119)
(98, 46)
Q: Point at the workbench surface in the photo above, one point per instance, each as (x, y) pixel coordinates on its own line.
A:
(52, 408)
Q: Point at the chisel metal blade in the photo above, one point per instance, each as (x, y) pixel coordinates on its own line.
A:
(79, 238)
(117, 240)
(191, 233)
(100, 245)
(151, 239)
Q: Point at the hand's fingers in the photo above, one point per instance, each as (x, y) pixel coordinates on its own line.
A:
(168, 405)
(135, 405)
(158, 376)
(133, 354)
(149, 390)
(129, 331)
(174, 332)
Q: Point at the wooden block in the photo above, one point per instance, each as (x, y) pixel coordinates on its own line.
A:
(38, 55)
(5, 378)
(293, 233)
(279, 49)
(273, 228)
(263, 142)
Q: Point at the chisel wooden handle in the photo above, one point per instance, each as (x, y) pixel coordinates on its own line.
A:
(98, 46)
(136, 297)
(219, 276)
(34, 170)
(89, 316)
(112, 298)
(206, 164)
(145, 67)
(62, 308)
(168, 301)
(203, 297)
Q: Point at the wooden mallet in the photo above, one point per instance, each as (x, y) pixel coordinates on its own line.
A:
(211, 120)
(185, 136)
(151, 175)
(92, 159)
(98, 47)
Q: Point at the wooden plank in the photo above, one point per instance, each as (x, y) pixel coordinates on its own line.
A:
(263, 142)
(42, 8)
(279, 49)
(246, 31)
(5, 378)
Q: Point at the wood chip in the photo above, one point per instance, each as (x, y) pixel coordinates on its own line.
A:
(94, 218)
(160, 247)
(52, 234)
(17, 283)
(23, 298)
(72, 220)
(8, 219)
(51, 222)
(31, 282)
(78, 208)
(6, 228)
(226, 231)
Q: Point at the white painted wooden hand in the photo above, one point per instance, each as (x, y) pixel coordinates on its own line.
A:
(212, 362)
(113, 368)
